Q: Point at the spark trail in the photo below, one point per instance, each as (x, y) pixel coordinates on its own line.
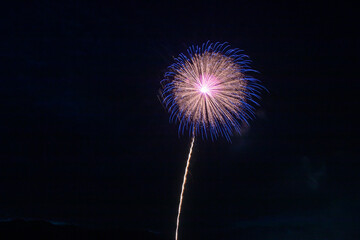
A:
(183, 187)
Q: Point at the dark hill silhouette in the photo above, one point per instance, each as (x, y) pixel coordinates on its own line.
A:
(20, 229)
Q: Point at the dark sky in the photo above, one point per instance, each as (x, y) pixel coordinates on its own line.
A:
(85, 140)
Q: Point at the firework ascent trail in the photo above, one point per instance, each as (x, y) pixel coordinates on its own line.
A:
(183, 186)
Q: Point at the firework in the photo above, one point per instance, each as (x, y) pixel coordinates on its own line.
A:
(209, 92)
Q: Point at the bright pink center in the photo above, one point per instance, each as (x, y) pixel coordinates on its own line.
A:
(206, 83)
(204, 89)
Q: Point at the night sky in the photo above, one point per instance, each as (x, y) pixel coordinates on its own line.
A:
(86, 141)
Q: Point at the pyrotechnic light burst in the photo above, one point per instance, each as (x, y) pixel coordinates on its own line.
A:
(209, 92)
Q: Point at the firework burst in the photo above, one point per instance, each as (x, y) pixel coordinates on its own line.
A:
(209, 92)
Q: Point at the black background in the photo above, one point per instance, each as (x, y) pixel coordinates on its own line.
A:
(85, 140)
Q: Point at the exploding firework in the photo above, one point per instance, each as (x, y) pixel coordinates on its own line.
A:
(209, 92)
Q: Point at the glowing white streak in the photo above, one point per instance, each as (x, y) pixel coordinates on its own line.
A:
(183, 187)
